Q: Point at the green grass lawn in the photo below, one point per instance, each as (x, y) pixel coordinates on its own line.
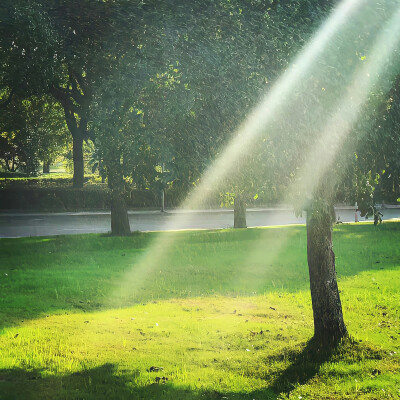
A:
(226, 314)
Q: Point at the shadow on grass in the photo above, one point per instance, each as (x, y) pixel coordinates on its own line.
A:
(103, 383)
(305, 364)
(109, 382)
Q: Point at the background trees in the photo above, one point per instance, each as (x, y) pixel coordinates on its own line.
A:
(375, 168)
(32, 132)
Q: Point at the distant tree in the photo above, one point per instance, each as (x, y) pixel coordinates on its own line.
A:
(53, 47)
(28, 64)
(31, 130)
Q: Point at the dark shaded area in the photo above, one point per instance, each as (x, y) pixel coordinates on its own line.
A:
(59, 245)
(305, 364)
(107, 382)
(102, 383)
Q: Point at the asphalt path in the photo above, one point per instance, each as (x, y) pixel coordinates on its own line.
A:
(49, 224)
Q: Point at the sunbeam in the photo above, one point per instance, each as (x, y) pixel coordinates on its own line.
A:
(345, 113)
(257, 121)
(329, 141)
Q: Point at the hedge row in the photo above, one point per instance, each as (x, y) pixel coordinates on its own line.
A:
(96, 197)
(67, 199)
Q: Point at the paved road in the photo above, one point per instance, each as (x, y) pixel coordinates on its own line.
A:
(19, 225)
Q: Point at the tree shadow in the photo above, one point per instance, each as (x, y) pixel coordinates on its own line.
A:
(304, 366)
(103, 382)
(110, 382)
(306, 363)
(17, 383)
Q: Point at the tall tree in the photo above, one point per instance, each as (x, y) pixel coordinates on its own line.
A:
(323, 126)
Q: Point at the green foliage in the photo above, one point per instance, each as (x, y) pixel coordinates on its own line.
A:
(227, 199)
(167, 84)
(31, 131)
(28, 46)
(179, 113)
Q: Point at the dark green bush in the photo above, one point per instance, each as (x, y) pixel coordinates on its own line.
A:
(53, 198)
(57, 194)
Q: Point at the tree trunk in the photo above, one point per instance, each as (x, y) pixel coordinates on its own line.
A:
(329, 326)
(162, 200)
(77, 156)
(46, 166)
(78, 130)
(119, 215)
(239, 212)
(119, 212)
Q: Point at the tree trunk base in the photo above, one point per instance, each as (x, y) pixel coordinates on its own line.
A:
(77, 156)
(119, 216)
(239, 213)
(46, 167)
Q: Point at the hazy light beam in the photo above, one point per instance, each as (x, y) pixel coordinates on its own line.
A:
(257, 121)
(337, 128)
(253, 126)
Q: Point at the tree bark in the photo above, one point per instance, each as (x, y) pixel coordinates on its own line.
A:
(119, 215)
(69, 100)
(329, 326)
(77, 157)
(46, 166)
(162, 200)
(119, 211)
(239, 212)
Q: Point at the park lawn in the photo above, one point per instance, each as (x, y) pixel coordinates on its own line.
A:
(226, 314)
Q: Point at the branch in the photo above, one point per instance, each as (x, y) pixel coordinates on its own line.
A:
(81, 81)
(75, 93)
(64, 97)
(71, 122)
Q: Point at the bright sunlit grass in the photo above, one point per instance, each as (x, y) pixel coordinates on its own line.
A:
(223, 315)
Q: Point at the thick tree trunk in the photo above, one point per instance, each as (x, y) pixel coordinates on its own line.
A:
(77, 156)
(46, 167)
(119, 212)
(329, 326)
(119, 215)
(239, 212)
